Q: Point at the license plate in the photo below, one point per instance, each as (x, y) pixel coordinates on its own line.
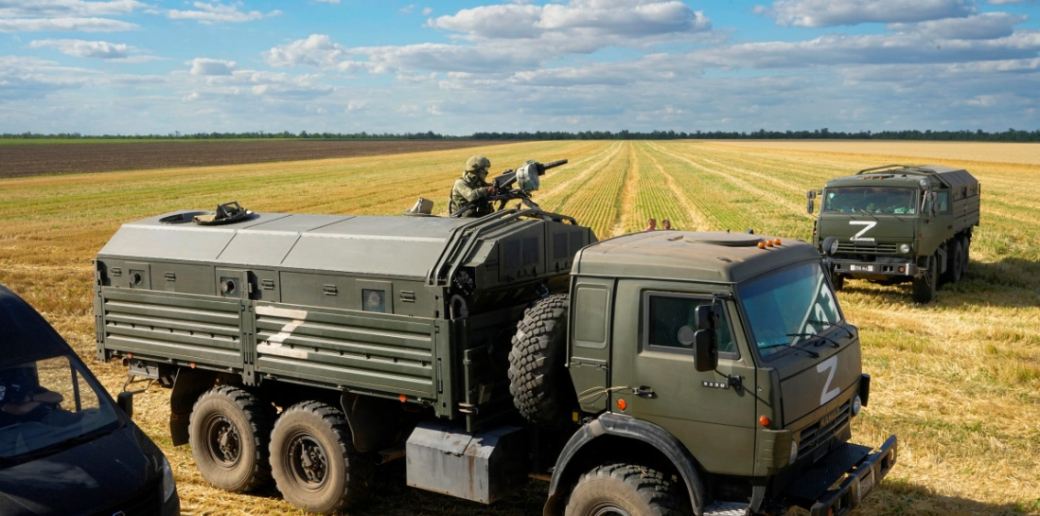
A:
(866, 484)
(861, 268)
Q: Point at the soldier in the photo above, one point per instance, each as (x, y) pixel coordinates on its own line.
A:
(472, 188)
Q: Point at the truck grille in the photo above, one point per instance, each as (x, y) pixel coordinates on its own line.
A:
(820, 433)
(866, 248)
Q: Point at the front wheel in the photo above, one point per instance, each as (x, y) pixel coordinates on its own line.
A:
(313, 460)
(924, 286)
(626, 490)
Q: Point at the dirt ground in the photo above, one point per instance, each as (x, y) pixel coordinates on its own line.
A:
(31, 160)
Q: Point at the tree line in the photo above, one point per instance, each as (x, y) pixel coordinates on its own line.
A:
(1010, 135)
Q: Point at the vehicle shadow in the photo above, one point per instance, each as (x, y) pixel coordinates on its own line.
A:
(899, 496)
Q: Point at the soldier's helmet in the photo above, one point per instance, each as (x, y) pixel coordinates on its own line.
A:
(477, 163)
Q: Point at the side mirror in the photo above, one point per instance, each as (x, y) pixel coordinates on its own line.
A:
(809, 206)
(125, 400)
(811, 194)
(705, 317)
(932, 197)
(705, 351)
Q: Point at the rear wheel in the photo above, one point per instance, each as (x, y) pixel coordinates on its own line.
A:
(228, 432)
(924, 286)
(313, 459)
(626, 490)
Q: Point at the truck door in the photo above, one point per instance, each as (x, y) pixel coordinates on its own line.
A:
(654, 379)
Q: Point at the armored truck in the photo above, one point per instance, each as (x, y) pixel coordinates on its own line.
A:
(899, 223)
(653, 373)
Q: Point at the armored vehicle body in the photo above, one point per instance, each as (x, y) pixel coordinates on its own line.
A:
(686, 373)
(900, 223)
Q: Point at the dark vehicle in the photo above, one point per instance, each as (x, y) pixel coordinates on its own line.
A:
(653, 373)
(898, 223)
(65, 447)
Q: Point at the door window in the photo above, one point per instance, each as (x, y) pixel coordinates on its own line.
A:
(665, 314)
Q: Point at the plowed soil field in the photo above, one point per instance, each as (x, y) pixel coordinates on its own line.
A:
(31, 160)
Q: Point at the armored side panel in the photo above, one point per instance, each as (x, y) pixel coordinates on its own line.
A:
(419, 307)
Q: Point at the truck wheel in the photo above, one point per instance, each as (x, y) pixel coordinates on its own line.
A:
(956, 262)
(313, 459)
(965, 246)
(838, 281)
(625, 490)
(924, 286)
(541, 388)
(228, 433)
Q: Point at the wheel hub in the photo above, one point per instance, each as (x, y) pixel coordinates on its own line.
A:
(225, 442)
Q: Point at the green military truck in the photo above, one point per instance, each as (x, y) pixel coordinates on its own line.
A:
(899, 223)
(653, 373)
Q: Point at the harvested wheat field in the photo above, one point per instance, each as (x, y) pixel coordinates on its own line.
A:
(958, 380)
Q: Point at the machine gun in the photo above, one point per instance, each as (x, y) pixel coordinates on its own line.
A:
(515, 184)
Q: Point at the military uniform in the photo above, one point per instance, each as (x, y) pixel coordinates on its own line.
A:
(472, 188)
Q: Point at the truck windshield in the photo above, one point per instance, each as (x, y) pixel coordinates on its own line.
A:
(874, 200)
(788, 307)
(48, 405)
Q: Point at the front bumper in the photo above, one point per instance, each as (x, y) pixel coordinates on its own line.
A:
(859, 480)
(902, 268)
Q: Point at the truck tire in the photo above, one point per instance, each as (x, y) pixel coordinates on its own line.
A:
(541, 387)
(228, 433)
(966, 255)
(626, 489)
(955, 266)
(924, 286)
(838, 281)
(313, 460)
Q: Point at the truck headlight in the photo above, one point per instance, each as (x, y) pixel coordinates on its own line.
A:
(794, 452)
(857, 405)
(168, 487)
(904, 248)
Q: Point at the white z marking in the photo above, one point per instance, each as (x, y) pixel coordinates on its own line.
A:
(868, 225)
(832, 364)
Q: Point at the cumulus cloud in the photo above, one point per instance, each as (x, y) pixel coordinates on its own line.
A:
(217, 12)
(82, 48)
(64, 25)
(209, 67)
(588, 18)
(65, 8)
(980, 26)
(829, 13)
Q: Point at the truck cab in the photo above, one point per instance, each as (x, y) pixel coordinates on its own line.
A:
(898, 223)
(753, 411)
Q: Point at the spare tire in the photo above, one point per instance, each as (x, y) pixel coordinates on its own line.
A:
(538, 380)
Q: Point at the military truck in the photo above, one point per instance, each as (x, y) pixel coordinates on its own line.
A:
(660, 372)
(898, 223)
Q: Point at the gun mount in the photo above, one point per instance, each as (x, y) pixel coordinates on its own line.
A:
(515, 185)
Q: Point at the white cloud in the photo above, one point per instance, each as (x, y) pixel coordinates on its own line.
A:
(585, 18)
(65, 8)
(829, 13)
(317, 50)
(64, 25)
(982, 101)
(207, 67)
(407, 9)
(427, 11)
(83, 48)
(216, 12)
(980, 26)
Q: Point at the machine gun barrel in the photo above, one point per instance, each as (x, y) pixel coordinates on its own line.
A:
(551, 164)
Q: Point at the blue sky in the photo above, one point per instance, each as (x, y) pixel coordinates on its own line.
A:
(156, 67)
